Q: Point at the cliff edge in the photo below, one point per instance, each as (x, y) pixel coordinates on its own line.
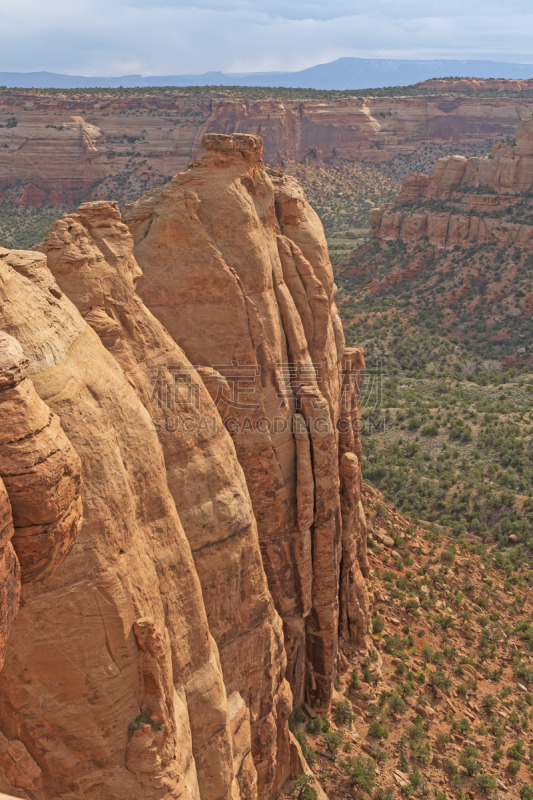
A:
(180, 487)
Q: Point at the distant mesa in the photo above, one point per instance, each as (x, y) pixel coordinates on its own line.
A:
(341, 74)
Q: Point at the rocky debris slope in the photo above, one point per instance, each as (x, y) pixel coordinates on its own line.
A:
(91, 255)
(443, 704)
(236, 267)
(57, 149)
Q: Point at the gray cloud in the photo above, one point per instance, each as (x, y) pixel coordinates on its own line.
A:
(119, 37)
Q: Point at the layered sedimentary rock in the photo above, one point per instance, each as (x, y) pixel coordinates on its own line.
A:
(58, 150)
(236, 268)
(91, 256)
(477, 85)
(472, 192)
(111, 683)
(39, 467)
(9, 573)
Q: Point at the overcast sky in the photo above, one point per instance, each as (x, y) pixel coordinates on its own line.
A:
(121, 37)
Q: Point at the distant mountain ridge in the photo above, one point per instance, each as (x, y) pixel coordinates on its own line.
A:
(343, 73)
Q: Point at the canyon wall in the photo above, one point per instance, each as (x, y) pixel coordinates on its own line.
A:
(91, 255)
(111, 680)
(57, 149)
(183, 582)
(236, 267)
(465, 201)
(478, 85)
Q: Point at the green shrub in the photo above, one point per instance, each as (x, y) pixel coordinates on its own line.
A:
(342, 712)
(416, 778)
(354, 680)
(462, 726)
(469, 764)
(439, 681)
(516, 751)
(384, 794)
(332, 741)
(308, 752)
(487, 783)
(302, 789)
(296, 717)
(447, 557)
(361, 772)
(396, 705)
(427, 652)
(377, 625)
(318, 725)
(378, 731)
(489, 702)
(513, 767)
(416, 732)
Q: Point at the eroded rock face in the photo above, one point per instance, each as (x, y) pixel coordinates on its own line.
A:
(91, 256)
(40, 469)
(52, 132)
(154, 659)
(470, 187)
(11, 361)
(9, 573)
(236, 268)
(116, 639)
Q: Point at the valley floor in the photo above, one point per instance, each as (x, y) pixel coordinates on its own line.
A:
(441, 704)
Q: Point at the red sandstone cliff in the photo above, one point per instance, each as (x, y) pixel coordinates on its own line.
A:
(57, 149)
(119, 629)
(147, 656)
(472, 188)
(477, 85)
(235, 266)
(91, 255)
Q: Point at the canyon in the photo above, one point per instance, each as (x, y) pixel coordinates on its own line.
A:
(59, 148)
(194, 577)
(457, 245)
(183, 539)
(473, 188)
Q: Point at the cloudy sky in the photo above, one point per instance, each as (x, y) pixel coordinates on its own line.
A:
(162, 37)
